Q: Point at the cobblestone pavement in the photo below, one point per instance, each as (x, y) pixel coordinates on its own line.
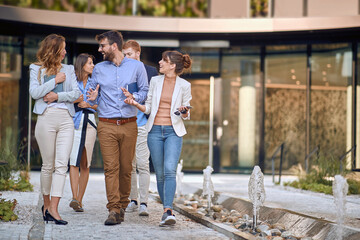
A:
(90, 224)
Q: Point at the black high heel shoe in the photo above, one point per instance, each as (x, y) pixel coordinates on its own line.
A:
(51, 218)
(44, 214)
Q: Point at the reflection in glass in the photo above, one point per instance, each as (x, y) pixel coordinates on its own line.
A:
(10, 73)
(331, 99)
(240, 99)
(204, 60)
(285, 103)
(195, 151)
(31, 46)
(357, 160)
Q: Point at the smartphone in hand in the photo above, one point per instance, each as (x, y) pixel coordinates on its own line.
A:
(183, 112)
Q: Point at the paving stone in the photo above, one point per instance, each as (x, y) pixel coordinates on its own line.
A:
(90, 224)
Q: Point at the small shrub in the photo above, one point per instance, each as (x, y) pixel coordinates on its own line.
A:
(324, 168)
(20, 184)
(354, 186)
(11, 165)
(7, 180)
(7, 210)
(306, 184)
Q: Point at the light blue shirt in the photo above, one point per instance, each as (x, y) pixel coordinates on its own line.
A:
(111, 78)
(141, 117)
(77, 116)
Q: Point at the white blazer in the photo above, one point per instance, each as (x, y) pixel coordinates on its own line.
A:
(38, 91)
(181, 97)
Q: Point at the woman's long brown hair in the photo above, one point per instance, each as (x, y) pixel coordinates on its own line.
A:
(80, 62)
(49, 54)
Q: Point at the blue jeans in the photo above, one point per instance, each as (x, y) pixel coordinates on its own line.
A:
(165, 149)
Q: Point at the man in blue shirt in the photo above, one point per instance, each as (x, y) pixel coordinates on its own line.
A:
(132, 49)
(117, 128)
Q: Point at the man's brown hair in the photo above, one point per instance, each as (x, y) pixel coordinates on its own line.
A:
(132, 44)
(112, 37)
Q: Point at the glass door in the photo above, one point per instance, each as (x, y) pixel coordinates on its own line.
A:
(237, 122)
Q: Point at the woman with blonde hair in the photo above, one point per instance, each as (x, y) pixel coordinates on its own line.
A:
(84, 134)
(54, 88)
(168, 103)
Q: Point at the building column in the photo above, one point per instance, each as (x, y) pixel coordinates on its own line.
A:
(247, 115)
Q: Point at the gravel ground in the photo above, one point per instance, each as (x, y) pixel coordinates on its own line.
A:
(24, 210)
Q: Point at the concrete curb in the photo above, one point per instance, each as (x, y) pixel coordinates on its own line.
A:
(299, 224)
(228, 231)
(37, 230)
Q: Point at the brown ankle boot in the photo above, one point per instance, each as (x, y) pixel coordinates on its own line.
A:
(122, 214)
(113, 218)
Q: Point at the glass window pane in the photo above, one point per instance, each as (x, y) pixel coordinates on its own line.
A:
(357, 161)
(10, 74)
(237, 122)
(31, 46)
(204, 60)
(331, 77)
(285, 104)
(195, 150)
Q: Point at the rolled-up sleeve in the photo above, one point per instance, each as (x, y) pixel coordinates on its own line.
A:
(93, 82)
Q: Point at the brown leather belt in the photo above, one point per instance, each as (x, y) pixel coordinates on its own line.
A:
(118, 121)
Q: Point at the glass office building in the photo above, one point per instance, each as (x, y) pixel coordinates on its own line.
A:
(277, 81)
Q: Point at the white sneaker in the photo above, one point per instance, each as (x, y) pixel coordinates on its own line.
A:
(167, 219)
(143, 210)
(132, 207)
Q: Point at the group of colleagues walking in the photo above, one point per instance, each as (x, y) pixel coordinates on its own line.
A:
(140, 113)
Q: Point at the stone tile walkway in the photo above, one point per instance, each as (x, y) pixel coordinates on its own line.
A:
(90, 224)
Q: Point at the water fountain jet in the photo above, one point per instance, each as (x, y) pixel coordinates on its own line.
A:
(179, 179)
(256, 192)
(340, 190)
(208, 187)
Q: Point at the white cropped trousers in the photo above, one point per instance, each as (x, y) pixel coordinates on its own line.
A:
(54, 133)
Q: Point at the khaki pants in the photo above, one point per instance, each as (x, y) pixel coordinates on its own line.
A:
(117, 145)
(141, 163)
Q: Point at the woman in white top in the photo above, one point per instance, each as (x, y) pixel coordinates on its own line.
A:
(168, 104)
(53, 86)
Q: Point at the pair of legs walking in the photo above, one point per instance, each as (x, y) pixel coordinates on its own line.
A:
(165, 149)
(54, 134)
(80, 159)
(78, 182)
(140, 163)
(117, 143)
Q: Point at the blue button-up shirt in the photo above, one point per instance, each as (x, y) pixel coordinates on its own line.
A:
(111, 78)
(77, 116)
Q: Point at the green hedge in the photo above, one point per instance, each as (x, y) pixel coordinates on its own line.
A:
(171, 8)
